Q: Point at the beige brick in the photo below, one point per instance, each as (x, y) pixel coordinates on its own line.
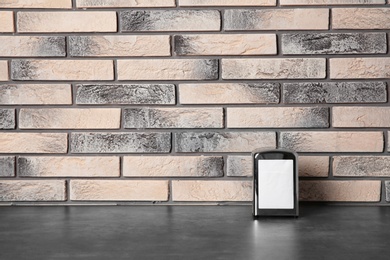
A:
(33, 142)
(331, 2)
(65, 118)
(361, 166)
(119, 190)
(360, 68)
(361, 18)
(36, 4)
(3, 70)
(35, 94)
(107, 166)
(40, 46)
(313, 166)
(66, 22)
(124, 45)
(211, 190)
(167, 69)
(227, 2)
(229, 93)
(292, 68)
(361, 117)
(47, 190)
(173, 166)
(62, 70)
(6, 21)
(225, 44)
(277, 117)
(347, 191)
(305, 141)
(124, 3)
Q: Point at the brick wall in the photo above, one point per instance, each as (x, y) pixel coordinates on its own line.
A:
(117, 101)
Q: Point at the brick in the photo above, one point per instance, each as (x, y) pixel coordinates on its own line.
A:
(292, 68)
(173, 166)
(3, 70)
(332, 141)
(361, 117)
(223, 141)
(227, 3)
(225, 44)
(239, 166)
(36, 4)
(35, 94)
(124, 45)
(229, 93)
(168, 69)
(335, 92)
(170, 20)
(173, 118)
(52, 22)
(361, 18)
(347, 191)
(387, 187)
(124, 3)
(127, 94)
(7, 118)
(116, 142)
(331, 2)
(6, 21)
(359, 166)
(7, 166)
(359, 68)
(66, 118)
(118, 190)
(334, 43)
(313, 166)
(276, 19)
(211, 190)
(277, 117)
(33, 142)
(40, 46)
(68, 166)
(21, 190)
(62, 70)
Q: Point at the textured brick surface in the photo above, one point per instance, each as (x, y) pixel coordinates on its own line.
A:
(173, 118)
(7, 166)
(359, 166)
(361, 117)
(128, 94)
(334, 43)
(3, 70)
(50, 22)
(173, 166)
(62, 70)
(168, 69)
(227, 2)
(36, 4)
(68, 166)
(33, 142)
(125, 3)
(313, 166)
(128, 142)
(361, 18)
(331, 2)
(223, 141)
(227, 44)
(35, 94)
(239, 166)
(293, 68)
(40, 46)
(229, 93)
(6, 21)
(170, 20)
(118, 190)
(359, 68)
(280, 117)
(305, 141)
(211, 190)
(23, 190)
(335, 92)
(387, 185)
(276, 19)
(7, 118)
(64, 118)
(131, 45)
(348, 191)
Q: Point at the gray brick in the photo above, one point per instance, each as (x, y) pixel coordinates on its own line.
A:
(128, 142)
(170, 20)
(335, 92)
(134, 94)
(387, 183)
(7, 119)
(7, 166)
(239, 166)
(359, 166)
(223, 141)
(334, 43)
